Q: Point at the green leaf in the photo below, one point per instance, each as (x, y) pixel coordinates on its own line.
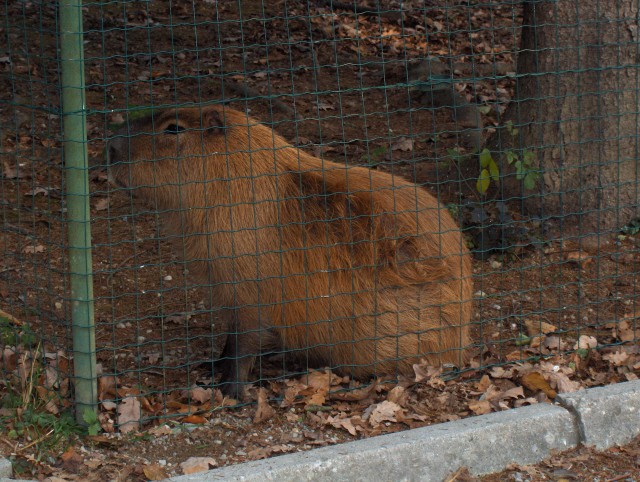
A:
(94, 429)
(530, 180)
(483, 182)
(523, 340)
(485, 158)
(519, 170)
(511, 156)
(89, 416)
(529, 158)
(494, 171)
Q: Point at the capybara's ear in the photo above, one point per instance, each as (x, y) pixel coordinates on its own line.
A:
(212, 120)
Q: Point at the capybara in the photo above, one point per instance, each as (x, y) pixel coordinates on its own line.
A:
(348, 267)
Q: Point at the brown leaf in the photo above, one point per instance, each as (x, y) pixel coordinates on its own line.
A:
(322, 379)
(581, 258)
(316, 399)
(483, 384)
(259, 453)
(384, 412)
(161, 430)
(48, 397)
(398, 395)
(425, 372)
(618, 358)
(344, 423)
(480, 407)
(38, 190)
(535, 328)
(199, 394)
(515, 392)
(500, 372)
(195, 419)
(9, 359)
(355, 395)
(194, 465)
(403, 144)
(71, 459)
(625, 331)
(264, 410)
(563, 384)
(129, 415)
(106, 423)
(586, 342)
(101, 204)
(106, 387)
(534, 381)
(33, 249)
(11, 172)
(155, 472)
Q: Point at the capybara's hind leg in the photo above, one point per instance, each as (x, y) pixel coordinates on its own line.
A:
(238, 357)
(236, 361)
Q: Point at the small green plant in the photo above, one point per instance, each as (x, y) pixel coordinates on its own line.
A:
(524, 165)
(90, 417)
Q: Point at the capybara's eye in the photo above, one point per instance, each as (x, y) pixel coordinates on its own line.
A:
(173, 129)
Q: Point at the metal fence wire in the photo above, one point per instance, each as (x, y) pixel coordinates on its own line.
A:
(203, 198)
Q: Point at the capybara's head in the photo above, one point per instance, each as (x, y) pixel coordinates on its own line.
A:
(158, 151)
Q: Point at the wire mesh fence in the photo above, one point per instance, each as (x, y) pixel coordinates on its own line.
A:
(373, 188)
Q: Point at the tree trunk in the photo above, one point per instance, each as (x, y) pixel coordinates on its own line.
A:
(577, 108)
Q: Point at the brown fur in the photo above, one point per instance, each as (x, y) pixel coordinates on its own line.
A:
(353, 268)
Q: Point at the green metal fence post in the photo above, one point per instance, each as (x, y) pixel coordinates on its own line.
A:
(77, 195)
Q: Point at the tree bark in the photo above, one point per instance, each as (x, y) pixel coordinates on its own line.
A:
(577, 108)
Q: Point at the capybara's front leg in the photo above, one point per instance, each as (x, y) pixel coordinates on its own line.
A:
(236, 361)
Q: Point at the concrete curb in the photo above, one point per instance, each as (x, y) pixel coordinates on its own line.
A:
(602, 417)
(606, 416)
(484, 444)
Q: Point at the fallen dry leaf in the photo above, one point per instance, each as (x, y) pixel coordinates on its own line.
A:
(480, 407)
(398, 395)
(355, 395)
(322, 379)
(425, 372)
(195, 419)
(403, 144)
(483, 384)
(534, 381)
(264, 410)
(344, 423)
(194, 465)
(199, 394)
(586, 342)
(161, 430)
(106, 387)
(71, 459)
(581, 258)
(129, 415)
(384, 412)
(11, 172)
(33, 249)
(618, 358)
(155, 472)
(624, 331)
(535, 328)
(563, 384)
(101, 204)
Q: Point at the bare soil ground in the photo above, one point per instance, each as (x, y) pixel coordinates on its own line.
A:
(552, 315)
